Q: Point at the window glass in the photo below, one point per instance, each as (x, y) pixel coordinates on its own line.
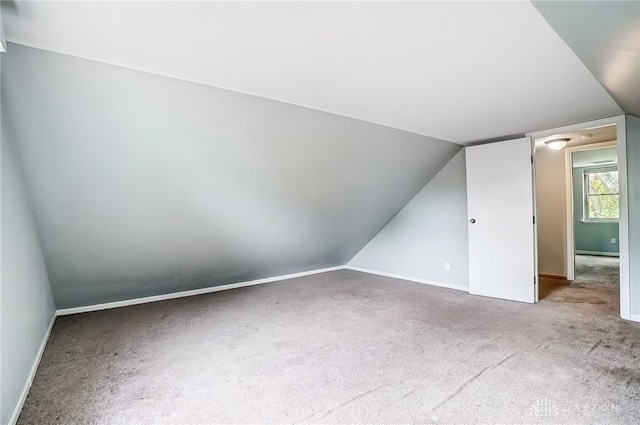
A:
(602, 200)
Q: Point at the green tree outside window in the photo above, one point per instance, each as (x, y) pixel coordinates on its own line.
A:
(602, 197)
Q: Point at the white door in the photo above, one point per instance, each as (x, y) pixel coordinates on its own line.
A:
(500, 214)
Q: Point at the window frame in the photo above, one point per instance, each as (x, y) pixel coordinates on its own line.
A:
(585, 193)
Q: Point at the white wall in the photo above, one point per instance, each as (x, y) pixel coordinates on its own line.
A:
(429, 231)
(27, 307)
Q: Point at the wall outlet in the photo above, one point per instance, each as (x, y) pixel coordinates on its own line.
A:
(613, 240)
(447, 265)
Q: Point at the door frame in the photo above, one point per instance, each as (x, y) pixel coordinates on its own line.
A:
(621, 133)
(570, 226)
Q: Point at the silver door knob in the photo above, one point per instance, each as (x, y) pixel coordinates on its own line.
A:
(473, 220)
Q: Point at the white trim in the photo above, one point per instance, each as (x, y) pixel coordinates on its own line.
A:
(602, 253)
(621, 132)
(634, 317)
(536, 257)
(623, 230)
(27, 386)
(588, 125)
(412, 279)
(182, 294)
(600, 220)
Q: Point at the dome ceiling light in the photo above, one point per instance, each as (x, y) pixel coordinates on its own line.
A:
(557, 144)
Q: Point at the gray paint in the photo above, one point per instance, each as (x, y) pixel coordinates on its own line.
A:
(595, 157)
(633, 190)
(590, 236)
(146, 185)
(26, 306)
(605, 35)
(429, 231)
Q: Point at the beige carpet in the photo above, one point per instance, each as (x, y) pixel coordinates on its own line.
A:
(343, 347)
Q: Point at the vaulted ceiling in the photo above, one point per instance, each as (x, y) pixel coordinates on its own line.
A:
(606, 37)
(144, 183)
(458, 71)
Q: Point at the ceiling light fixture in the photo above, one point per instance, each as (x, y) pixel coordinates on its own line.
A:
(557, 144)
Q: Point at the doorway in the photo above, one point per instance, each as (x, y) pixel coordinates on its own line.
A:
(578, 216)
(497, 181)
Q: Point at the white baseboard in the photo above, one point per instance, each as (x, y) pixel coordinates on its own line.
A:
(634, 317)
(27, 386)
(412, 279)
(182, 294)
(600, 253)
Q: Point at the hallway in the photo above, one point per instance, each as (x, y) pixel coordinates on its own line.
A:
(597, 284)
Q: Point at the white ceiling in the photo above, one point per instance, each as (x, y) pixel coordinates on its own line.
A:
(457, 71)
(584, 137)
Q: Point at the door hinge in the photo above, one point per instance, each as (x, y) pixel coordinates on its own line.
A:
(532, 159)
(534, 219)
(534, 280)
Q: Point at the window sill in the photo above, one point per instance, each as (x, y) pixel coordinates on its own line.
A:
(601, 221)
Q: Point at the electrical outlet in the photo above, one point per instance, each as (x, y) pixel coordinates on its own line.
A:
(447, 265)
(613, 240)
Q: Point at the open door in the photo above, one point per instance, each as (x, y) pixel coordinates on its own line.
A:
(501, 220)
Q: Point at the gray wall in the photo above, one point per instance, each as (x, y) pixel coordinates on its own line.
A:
(26, 306)
(633, 188)
(429, 231)
(590, 236)
(146, 185)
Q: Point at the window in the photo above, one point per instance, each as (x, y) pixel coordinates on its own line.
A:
(601, 200)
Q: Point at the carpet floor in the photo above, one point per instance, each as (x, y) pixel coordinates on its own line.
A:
(343, 347)
(597, 281)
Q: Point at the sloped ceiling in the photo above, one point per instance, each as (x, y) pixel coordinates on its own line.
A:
(606, 37)
(458, 71)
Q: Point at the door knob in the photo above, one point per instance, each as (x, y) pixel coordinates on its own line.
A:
(473, 220)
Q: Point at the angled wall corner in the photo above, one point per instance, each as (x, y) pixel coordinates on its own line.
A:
(431, 230)
(26, 305)
(605, 36)
(146, 185)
